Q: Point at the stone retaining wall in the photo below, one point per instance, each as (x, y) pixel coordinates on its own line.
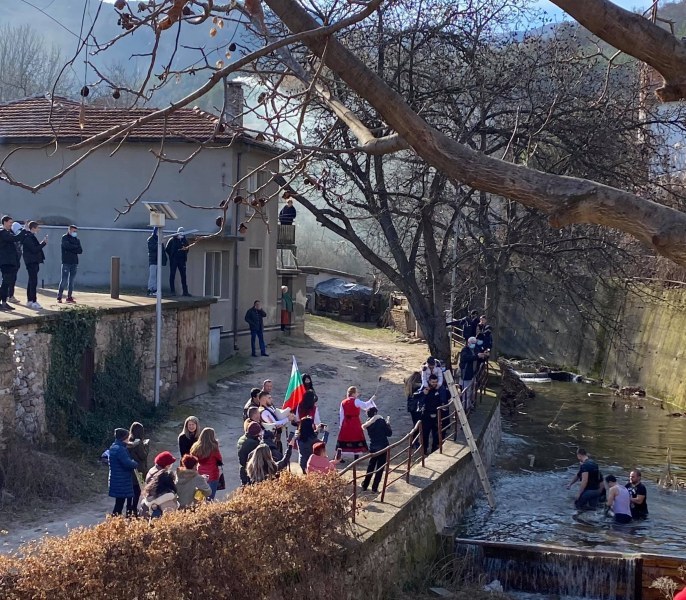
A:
(25, 361)
(401, 537)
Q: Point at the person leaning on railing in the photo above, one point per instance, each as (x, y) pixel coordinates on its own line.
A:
(379, 430)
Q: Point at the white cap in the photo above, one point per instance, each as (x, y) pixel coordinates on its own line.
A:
(180, 231)
(16, 227)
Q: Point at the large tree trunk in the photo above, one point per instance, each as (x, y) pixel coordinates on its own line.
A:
(566, 200)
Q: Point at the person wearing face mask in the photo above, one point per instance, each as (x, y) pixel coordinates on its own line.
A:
(71, 248)
(9, 260)
(177, 250)
(468, 366)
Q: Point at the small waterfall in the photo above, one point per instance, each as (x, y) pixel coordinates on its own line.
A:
(550, 570)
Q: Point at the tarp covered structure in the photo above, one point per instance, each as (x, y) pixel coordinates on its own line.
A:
(339, 288)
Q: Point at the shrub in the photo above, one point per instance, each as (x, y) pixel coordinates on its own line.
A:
(273, 539)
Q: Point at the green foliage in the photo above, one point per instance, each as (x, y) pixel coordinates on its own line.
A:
(116, 398)
(72, 334)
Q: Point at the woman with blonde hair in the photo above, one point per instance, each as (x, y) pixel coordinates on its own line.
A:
(261, 465)
(206, 450)
(189, 435)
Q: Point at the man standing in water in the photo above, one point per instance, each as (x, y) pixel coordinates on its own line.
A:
(619, 500)
(638, 493)
(590, 478)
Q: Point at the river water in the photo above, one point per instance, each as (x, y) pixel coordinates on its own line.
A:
(533, 504)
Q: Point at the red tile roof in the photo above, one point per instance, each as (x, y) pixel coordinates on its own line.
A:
(30, 120)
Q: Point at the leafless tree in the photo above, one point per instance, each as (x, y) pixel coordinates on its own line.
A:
(28, 64)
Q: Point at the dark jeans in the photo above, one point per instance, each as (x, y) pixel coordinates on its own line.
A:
(374, 463)
(430, 427)
(119, 505)
(68, 276)
(589, 499)
(173, 266)
(623, 519)
(9, 277)
(260, 336)
(132, 503)
(32, 270)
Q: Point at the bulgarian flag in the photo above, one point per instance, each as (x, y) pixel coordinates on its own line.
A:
(296, 389)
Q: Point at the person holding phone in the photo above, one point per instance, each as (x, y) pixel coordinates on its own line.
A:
(379, 430)
(305, 439)
(319, 461)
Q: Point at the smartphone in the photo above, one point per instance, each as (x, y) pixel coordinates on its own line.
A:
(339, 453)
(291, 435)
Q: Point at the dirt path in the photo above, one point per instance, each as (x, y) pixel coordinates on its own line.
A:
(337, 355)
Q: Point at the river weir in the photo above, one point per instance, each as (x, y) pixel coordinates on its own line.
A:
(536, 541)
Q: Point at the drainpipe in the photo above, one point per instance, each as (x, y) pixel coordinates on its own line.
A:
(235, 259)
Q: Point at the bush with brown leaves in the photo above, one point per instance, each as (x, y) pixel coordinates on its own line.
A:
(275, 539)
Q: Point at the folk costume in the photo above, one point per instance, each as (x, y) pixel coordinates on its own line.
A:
(351, 437)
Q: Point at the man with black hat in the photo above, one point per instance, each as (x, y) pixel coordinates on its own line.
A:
(9, 260)
(177, 249)
(432, 366)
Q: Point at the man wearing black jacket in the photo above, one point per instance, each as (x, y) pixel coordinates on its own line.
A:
(9, 259)
(431, 400)
(177, 249)
(71, 248)
(254, 318)
(378, 430)
(246, 444)
(33, 258)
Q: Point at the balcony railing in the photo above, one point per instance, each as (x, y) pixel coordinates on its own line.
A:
(285, 236)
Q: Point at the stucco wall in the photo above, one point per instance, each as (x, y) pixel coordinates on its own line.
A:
(397, 548)
(89, 195)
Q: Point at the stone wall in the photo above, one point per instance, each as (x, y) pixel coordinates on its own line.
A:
(643, 344)
(401, 537)
(25, 361)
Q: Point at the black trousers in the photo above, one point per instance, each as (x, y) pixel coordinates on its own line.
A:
(173, 266)
(9, 278)
(119, 505)
(377, 462)
(430, 427)
(32, 286)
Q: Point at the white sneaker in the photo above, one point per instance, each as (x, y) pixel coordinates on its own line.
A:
(13, 300)
(36, 306)
(29, 304)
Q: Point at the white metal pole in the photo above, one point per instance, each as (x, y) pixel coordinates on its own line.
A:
(158, 317)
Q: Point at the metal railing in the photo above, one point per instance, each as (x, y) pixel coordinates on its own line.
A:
(285, 235)
(412, 444)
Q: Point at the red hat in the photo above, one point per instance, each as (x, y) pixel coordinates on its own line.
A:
(165, 459)
(680, 595)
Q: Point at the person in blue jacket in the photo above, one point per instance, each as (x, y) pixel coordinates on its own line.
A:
(121, 466)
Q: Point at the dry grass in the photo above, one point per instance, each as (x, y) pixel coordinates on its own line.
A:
(35, 479)
(276, 539)
(369, 331)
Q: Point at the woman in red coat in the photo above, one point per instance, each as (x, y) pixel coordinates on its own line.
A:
(206, 450)
(351, 437)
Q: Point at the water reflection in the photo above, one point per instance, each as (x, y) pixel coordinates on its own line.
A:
(537, 459)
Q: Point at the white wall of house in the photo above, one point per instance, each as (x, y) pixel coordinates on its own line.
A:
(89, 194)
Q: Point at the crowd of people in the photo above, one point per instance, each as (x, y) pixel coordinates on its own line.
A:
(20, 241)
(266, 447)
(624, 503)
